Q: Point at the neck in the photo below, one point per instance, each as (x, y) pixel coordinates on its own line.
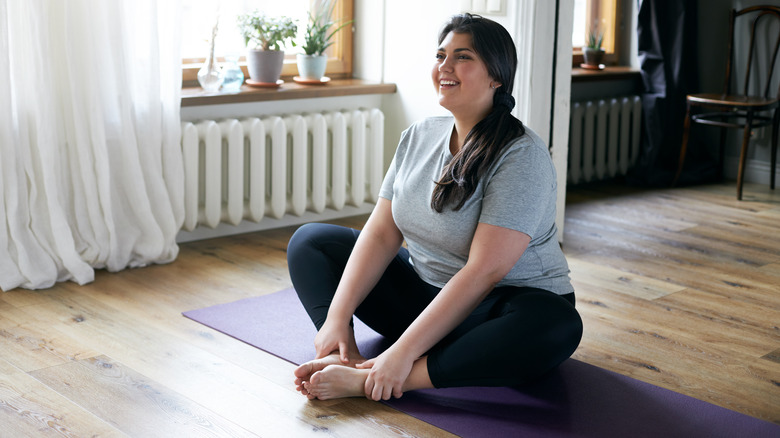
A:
(462, 128)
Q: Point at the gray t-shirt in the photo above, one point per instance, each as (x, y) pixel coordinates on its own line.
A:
(517, 192)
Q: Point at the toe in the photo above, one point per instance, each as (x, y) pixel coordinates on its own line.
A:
(303, 370)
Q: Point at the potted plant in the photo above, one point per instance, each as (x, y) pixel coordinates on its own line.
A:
(593, 53)
(318, 36)
(264, 37)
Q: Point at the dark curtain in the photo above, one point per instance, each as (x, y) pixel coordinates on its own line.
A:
(666, 38)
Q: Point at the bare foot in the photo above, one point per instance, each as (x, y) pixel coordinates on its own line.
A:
(305, 371)
(336, 382)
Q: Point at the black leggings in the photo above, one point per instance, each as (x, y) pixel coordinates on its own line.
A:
(515, 335)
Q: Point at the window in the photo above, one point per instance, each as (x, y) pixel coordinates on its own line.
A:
(199, 17)
(603, 16)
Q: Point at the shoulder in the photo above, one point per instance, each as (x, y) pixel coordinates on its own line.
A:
(527, 155)
(529, 141)
(527, 147)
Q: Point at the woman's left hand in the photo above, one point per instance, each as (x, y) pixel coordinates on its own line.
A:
(389, 372)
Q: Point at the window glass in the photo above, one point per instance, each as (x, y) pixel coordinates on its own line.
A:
(580, 30)
(199, 17)
(599, 16)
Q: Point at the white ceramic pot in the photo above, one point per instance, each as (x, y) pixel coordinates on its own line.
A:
(312, 66)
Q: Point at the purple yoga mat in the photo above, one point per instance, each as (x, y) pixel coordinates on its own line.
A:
(576, 399)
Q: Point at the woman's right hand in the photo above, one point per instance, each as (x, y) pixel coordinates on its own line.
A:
(334, 337)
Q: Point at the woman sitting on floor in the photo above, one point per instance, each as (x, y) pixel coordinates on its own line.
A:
(482, 296)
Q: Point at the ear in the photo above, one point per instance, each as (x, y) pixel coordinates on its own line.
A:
(495, 85)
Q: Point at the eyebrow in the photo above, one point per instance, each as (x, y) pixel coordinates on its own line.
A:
(462, 49)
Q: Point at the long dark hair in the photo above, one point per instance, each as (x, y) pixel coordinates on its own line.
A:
(492, 134)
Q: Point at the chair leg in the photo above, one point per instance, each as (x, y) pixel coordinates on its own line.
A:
(775, 126)
(743, 154)
(684, 145)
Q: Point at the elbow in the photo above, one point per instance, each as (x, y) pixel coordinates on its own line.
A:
(487, 275)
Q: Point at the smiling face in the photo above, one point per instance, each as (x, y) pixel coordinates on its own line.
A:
(461, 79)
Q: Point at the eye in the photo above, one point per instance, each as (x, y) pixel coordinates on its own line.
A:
(439, 55)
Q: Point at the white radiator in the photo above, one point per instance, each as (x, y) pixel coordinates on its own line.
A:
(274, 166)
(603, 138)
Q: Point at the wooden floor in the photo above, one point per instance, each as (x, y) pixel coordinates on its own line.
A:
(679, 288)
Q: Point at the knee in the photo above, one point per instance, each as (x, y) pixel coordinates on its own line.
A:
(550, 319)
(565, 328)
(568, 331)
(304, 238)
(313, 240)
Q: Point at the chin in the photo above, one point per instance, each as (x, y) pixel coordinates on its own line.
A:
(443, 102)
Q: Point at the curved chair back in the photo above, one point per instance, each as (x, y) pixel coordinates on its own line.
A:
(764, 15)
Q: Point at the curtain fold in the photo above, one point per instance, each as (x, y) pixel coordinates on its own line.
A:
(666, 46)
(90, 166)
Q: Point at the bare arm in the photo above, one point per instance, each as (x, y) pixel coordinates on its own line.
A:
(378, 243)
(493, 253)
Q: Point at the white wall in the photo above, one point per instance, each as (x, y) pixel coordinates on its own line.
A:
(405, 58)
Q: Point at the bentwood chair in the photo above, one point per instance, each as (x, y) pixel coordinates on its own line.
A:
(742, 111)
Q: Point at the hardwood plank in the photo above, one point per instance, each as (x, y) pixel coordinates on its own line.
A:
(28, 408)
(29, 344)
(748, 284)
(679, 319)
(772, 269)
(772, 215)
(682, 322)
(120, 396)
(620, 281)
(657, 255)
(736, 317)
(22, 297)
(633, 236)
(774, 356)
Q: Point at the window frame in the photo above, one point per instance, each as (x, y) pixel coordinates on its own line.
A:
(611, 11)
(339, 54)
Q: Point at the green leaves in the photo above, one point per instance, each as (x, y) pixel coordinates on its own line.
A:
(318, 35)
(270, 33)
(594, 39)
(267, 33)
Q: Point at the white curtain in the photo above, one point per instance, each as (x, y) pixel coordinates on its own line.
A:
(90, 165)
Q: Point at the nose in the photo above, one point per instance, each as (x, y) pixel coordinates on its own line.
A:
(446, 64)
